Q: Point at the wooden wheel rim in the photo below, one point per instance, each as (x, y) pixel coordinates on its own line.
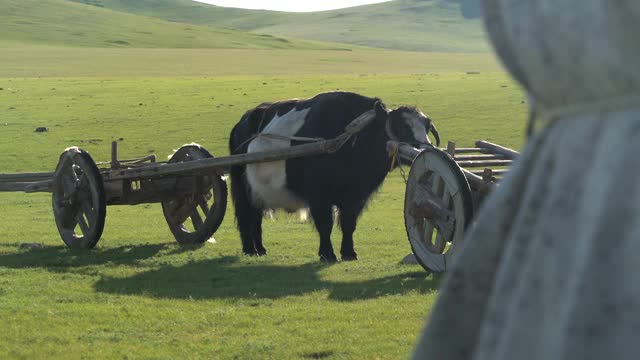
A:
(435, 175)
(78, 199)
(194, 218)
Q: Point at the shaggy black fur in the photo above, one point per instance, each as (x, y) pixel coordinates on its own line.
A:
(345, 179)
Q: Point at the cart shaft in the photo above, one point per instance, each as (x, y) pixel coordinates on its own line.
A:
(220, 164)
(25, 177)
(27, 182)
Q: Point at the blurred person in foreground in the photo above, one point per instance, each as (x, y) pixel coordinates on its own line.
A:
(549, 270)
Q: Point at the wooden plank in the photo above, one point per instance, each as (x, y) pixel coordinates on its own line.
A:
(479, 157)
(496, 172)
(14, 186)
(138, 161)
(408, 152)
(451, 148)
(121, 192)
(26, 177)
(40, 186)
(359, 123)
(210, 165)
(470, 150)
(498, 149)
(114, 155)
(30, 187)
(405, 151)
(483, 163)
(475, 181)
(487, 175)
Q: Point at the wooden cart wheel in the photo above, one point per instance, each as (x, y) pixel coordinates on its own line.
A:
(437, 208)
(78, 200)
(193, 218)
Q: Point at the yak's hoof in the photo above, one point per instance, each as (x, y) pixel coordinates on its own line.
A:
(262, 252)
(350, 257)
(328, 259)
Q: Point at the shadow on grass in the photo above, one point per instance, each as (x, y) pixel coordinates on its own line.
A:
(224, 278)
(60, 257)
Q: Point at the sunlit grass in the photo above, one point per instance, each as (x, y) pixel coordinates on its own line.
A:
(138, 294)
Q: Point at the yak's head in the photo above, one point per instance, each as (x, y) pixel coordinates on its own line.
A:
(408, 125)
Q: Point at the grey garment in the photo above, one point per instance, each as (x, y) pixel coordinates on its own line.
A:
(549, 269)
(568, 51)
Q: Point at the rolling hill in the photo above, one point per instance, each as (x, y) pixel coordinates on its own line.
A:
(416, 25)
(68, 23)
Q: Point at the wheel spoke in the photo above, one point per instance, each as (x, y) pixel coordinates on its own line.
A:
(170, 208)
(202, 201)
(424, 225)
(64, 214)
(82, 181)
(82, 222)
(89, 212)
(171, 214)
(184, 212)
(196, 219)
(428, 233)
(438, 186)
(440, 243)
(75, 169)
(68, 186)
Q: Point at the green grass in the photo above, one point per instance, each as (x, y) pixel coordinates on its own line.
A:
(92, 62)
(67, 23)
(140, 295)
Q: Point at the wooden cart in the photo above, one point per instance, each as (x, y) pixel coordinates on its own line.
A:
(444, 189)
(190, 186)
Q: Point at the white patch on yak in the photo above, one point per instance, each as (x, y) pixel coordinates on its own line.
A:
(418, 128)
(268, 181)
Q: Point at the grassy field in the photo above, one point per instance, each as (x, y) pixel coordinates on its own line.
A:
(136, 63)
(139, 295)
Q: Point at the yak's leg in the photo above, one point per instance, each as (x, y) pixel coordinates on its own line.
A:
(250, 226)
(323, 220)
(249, 219)
(256, 232)
(348, 218)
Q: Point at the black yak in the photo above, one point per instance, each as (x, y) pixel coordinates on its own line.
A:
(345, 179)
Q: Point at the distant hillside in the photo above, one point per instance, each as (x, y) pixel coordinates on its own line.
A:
(193, 12)
(402, 24)
(418, 25)
(68, 23)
